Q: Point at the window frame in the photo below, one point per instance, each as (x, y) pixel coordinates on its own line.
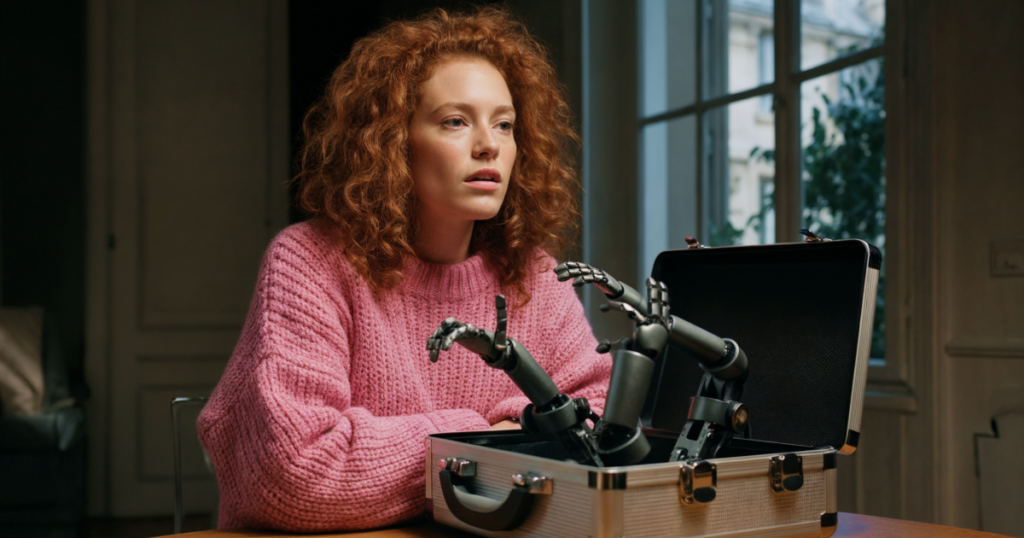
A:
(890, 379)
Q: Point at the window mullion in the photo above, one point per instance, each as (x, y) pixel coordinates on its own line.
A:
(699, 13)
(788, 204)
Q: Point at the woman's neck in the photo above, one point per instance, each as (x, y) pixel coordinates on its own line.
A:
(443, 241)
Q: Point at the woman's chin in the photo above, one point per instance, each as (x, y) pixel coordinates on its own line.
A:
(487, 216)
(478, 213)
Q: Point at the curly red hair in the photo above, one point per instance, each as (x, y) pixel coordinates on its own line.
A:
(354, 164)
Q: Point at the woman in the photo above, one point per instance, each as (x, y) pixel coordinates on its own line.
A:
(435, 169)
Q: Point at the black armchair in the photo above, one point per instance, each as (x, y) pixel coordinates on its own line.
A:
(43, 455)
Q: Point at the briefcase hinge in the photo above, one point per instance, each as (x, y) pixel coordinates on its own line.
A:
(697, 482)
(786, 472)
(692, 242)
(811, 237)
(458, 466)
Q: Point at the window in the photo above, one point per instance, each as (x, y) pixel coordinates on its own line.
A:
(735, 114)
(766, 66)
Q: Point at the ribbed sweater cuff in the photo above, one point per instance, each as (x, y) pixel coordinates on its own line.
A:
(458, 420)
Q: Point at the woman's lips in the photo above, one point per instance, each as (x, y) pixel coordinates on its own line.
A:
(485, 179)
(483, 184)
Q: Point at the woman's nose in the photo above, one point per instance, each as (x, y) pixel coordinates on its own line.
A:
(486, 146)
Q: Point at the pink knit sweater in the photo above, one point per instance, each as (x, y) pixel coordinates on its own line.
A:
(319, 420)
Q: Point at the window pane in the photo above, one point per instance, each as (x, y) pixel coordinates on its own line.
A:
(833, 28)
(738, 175)
(669, 49)
(738, 47)
(668, 188)
(843, 158)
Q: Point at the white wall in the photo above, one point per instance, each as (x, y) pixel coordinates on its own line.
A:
(979, 124)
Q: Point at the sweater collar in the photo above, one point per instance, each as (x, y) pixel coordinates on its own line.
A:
(446, 282)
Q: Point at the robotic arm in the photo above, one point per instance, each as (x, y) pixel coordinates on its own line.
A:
(550, 411)
(715, 414)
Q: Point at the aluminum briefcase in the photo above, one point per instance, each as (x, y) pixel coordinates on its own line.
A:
(803, 312)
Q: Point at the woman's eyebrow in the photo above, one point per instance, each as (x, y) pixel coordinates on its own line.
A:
(503, 109)
(466, 107)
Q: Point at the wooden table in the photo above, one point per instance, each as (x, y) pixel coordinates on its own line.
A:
(849, 525)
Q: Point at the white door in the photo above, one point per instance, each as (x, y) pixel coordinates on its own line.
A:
(198, 161)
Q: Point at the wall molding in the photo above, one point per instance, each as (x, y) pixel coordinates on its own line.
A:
(896, 398)
(999, 348)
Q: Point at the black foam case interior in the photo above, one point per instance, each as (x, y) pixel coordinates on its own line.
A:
(795, 309)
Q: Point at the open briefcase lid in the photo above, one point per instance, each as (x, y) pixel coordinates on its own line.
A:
(803, 314)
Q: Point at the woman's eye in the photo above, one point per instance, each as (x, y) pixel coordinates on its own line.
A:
(505, 126)
(454, 122)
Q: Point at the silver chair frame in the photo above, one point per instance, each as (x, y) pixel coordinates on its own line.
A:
(176, 406)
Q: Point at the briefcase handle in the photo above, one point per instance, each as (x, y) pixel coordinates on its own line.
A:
(484, 512)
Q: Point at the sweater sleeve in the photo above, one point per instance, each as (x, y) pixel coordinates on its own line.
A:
(566, 351)
(290, 451)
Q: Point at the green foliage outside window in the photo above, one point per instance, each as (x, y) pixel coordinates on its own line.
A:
(843, 175)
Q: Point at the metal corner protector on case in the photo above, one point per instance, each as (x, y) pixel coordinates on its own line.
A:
(863, 355)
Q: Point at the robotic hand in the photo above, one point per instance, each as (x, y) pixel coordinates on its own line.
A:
(550, 411)
(582, 273)
(715, 413)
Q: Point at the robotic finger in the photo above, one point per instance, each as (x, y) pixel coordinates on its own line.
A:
(582, 273)
(499, 330)
(631, 312)
(435, 339)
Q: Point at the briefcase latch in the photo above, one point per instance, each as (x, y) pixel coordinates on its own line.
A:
(697, 482)
(786, 472)
(537, 485)
(458, 466)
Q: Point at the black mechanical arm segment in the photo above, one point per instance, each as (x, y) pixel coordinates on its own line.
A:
(621, 440)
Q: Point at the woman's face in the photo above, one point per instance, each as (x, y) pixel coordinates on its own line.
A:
(461, 142)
